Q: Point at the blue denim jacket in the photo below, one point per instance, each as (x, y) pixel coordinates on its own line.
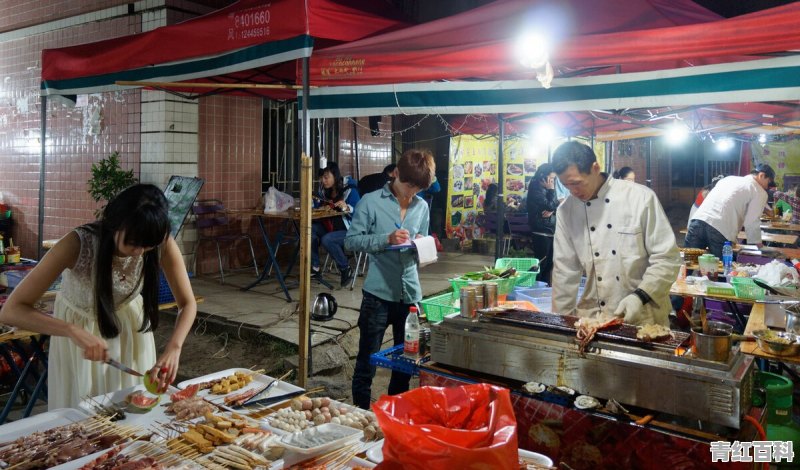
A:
(392, 274)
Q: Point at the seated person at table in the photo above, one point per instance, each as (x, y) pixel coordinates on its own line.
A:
(376, 181)
(331, 231)
(735, 202)
(788, 202)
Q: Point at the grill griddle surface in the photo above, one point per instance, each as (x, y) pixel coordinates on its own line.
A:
(565, 323)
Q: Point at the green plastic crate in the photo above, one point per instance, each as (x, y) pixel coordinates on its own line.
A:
(525, 278)
(438, 306)
(720, 288)
(746, 288)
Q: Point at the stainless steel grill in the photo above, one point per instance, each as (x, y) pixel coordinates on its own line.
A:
(531, 346)
(565, 323)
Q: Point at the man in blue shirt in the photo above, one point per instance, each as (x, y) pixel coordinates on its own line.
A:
(391, 216)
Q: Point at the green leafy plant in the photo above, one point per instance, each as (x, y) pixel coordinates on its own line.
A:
(108, 179)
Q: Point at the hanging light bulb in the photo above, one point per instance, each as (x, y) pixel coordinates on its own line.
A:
(724, 144)
(544, 133)
(677, 133)
(532, 49)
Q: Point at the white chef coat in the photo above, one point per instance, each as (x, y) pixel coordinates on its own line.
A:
(622, 240)
(734, 202)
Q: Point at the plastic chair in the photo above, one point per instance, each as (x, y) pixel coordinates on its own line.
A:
(360, 269)
(213, 225)
(518, 226)
(489, 224)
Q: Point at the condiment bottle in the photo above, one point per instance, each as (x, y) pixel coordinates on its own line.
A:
(411, 342)
(682, 272)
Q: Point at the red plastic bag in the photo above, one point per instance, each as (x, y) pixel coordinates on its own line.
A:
(439, 246)
(431, 428)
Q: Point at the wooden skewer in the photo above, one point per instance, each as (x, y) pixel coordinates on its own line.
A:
(332, 457)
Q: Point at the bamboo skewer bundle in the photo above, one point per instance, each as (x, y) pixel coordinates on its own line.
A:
(335, 459)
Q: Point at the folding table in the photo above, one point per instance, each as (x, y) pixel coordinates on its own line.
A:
(35, 358)
(291, 221)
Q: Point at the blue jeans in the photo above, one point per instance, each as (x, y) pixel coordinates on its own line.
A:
(317, 232)
(334, 244)
(702, 235)
(377, 315)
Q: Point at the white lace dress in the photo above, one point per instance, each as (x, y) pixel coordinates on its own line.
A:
(71, 377)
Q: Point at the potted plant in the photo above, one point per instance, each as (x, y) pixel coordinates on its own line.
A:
(108, 179)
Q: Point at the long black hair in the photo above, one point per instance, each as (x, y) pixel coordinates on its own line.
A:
(141, 212)
(338, 188)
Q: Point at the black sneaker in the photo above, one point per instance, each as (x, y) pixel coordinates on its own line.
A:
(347, 276)
(316, 273)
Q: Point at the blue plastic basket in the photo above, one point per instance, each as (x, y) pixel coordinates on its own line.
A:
(164, 292)
(393, 358)
(14, 274)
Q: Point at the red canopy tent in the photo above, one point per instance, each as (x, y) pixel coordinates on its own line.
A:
(667, 39)
(237, 44)
(730, 118)
(636, 35)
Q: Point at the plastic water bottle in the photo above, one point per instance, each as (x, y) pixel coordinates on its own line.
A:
(682, 271)
(411, 343)
(727, 259)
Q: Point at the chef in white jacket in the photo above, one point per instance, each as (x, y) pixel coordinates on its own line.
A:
(616, 232)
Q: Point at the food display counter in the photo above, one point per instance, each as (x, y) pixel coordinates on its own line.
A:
(681, 403)
(202, 425)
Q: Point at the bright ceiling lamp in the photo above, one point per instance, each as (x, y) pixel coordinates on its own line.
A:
(676, 133)
(725, 144)
(533, 51)
(762, 138)
(544, 133)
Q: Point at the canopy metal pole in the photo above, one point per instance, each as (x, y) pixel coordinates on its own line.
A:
(306, 169)
(43, 140)
(501, 206)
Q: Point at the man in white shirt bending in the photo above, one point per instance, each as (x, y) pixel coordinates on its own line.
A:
(734, 202)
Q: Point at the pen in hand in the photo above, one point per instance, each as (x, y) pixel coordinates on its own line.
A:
(400, 236)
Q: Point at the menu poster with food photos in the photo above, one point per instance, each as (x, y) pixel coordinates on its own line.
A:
(473, 167)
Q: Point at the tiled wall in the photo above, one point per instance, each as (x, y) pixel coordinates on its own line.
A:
(157, 135)
(17, 14)
(634, 153)
(230, 149)
(77, 135)
(374, 152)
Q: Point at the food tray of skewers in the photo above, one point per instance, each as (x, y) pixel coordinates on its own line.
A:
(58, 438)
(237, 389)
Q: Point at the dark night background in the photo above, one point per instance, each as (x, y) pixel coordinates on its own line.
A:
(730, 8)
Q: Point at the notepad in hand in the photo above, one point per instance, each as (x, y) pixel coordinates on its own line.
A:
(400, 246)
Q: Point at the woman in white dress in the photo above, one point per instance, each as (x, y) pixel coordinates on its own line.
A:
(108, 303)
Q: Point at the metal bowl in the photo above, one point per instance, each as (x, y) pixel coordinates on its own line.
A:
(792, 348)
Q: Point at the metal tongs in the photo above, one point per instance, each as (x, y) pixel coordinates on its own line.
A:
(784, 296)
(266, 389)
